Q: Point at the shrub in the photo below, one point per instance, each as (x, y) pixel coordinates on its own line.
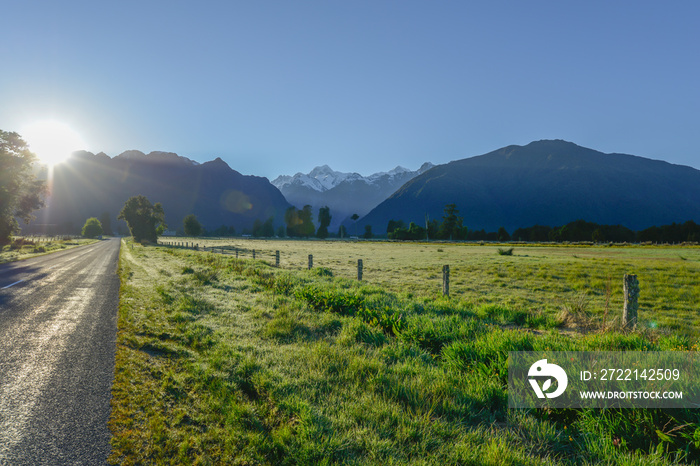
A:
(505, 252)
(92, 228)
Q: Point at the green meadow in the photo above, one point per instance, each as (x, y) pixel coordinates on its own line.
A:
(533, 280)
(234, 361)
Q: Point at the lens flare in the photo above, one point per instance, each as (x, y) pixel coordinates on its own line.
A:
(52, 141)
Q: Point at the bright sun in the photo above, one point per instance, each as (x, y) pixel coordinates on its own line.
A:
(52, 141)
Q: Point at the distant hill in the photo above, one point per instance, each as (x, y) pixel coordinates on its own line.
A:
(549, 182)
(87, 184)
(345, 193)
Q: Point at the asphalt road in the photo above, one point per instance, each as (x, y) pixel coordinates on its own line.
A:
(58, 324)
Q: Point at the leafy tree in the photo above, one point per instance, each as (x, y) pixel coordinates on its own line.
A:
(536, 233)
(257, 228)
(413, 232)
(20, 192)
(143, 218)
(291, 218)
(433, 229)
(394, 225)
(354, 219)
(342, 232)
(477, 235)
(223, 230)
(92, 228)
(324, 219)
(307, 221)
(451, 226)
(503, 234)
(268, 228)
(281, 232)
(299, 222)
(368, 232)
(192, 226)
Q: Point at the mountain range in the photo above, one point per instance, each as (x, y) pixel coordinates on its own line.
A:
(549, 182)
(88, 185)
(344, 193)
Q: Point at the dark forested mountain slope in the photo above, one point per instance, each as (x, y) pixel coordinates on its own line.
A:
(87, 185)
(549, 182)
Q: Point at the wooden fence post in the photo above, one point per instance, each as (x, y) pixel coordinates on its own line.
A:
(630, 290)
(359, 269)
(446, 280)
(277, 259)
(311, 261)
(253, 254)
(236, 253)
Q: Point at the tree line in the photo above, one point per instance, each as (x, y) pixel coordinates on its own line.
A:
(452, 228)
(580, 230)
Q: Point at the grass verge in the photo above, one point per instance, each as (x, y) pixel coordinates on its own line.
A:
(23, 248)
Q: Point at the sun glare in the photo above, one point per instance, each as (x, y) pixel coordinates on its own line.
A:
(52, 141)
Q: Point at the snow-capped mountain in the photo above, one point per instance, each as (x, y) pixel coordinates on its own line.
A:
(345, 193)
(319, 179)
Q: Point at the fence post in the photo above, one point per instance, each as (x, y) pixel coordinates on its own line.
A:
(311, 261)
(236, 253)
(359, 269)
(446, 280)
(277, 259)
(630, 290)
(253, 254)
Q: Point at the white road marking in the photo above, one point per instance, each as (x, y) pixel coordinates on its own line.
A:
(11, 284)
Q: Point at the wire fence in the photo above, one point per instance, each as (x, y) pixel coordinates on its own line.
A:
(273, 259)
(630, 292)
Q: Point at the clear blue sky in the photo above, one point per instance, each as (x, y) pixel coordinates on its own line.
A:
(277, 87)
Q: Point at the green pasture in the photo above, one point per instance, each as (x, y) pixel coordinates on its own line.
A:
(535, 279)
(226, 361)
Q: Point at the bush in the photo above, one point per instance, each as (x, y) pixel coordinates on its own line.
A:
(92, 228)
